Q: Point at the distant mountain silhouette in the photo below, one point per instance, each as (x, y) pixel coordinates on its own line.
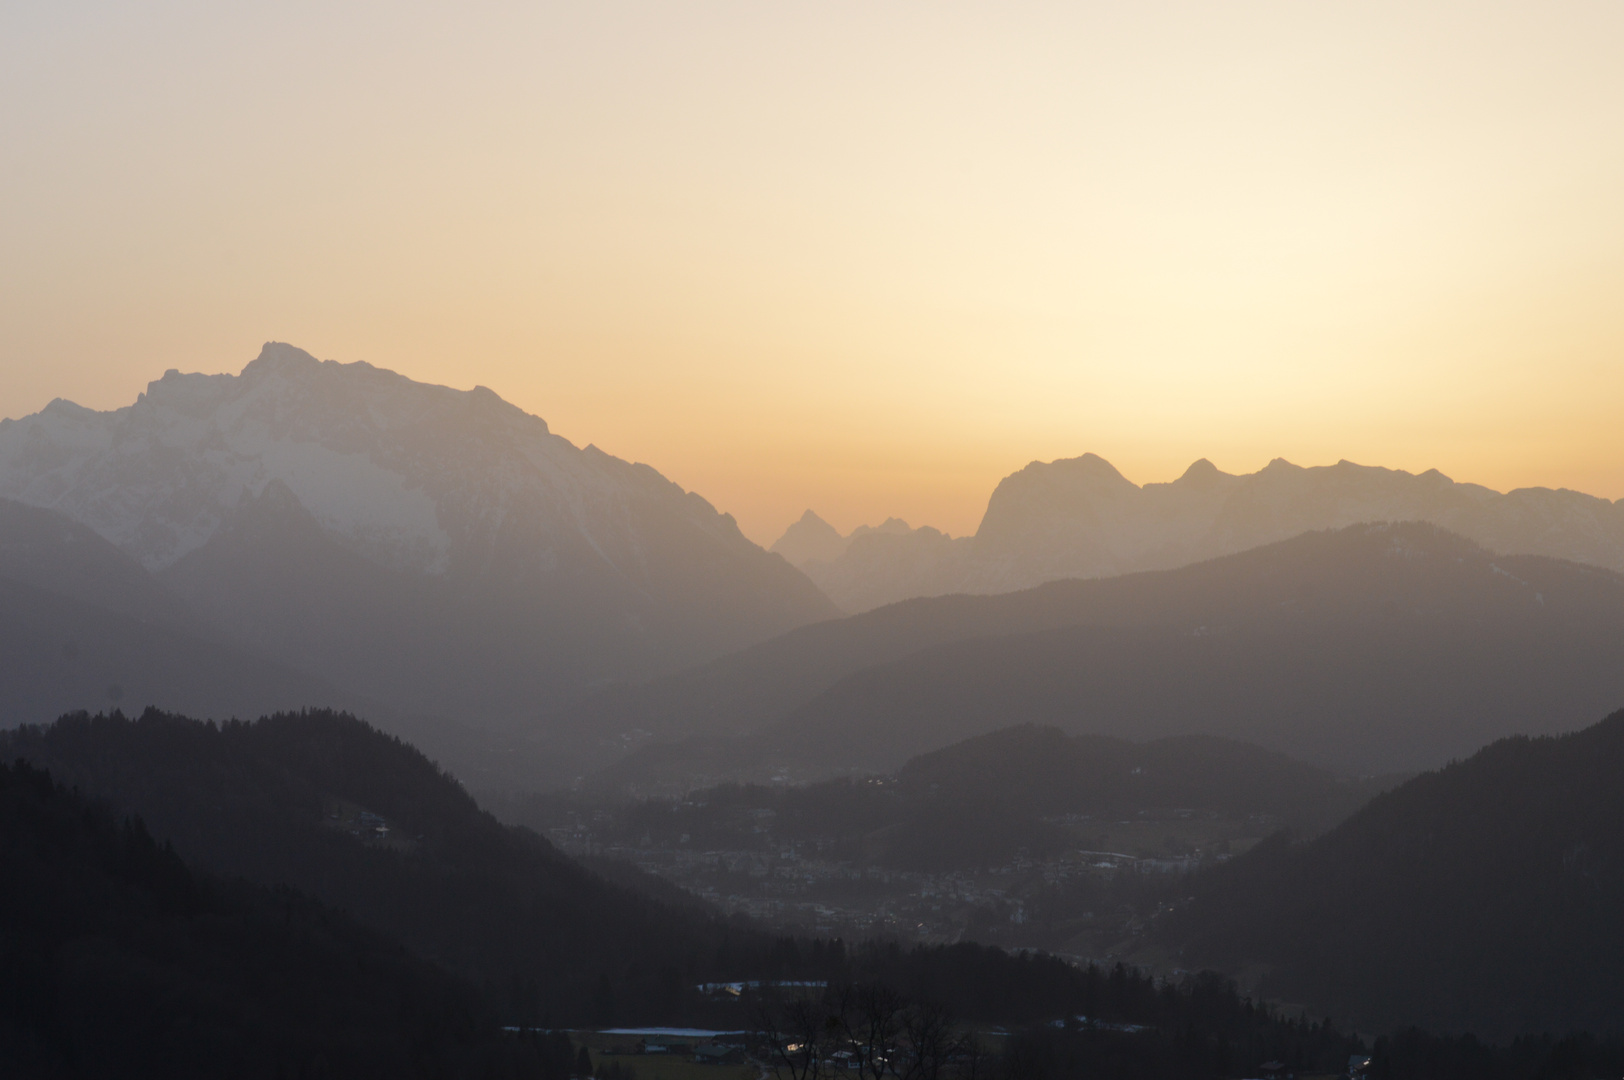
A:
(1483, 897)
(1368, 650)
(1080, 517)
(82, 625)
(50, 551)
(436, 551)
(874, 565)
(810, 539)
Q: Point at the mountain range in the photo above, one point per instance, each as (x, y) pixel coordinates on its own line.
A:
(1080, 517)
(313, 533)
(310, 532)
(1366, 650)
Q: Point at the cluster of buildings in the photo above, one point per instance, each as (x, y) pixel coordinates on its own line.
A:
(799, 886)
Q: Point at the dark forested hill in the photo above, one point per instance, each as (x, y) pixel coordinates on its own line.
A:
(1484, 897)
(1373, 649)
(117, 961)
(326, 804)
(1042, 770)
(983, 801)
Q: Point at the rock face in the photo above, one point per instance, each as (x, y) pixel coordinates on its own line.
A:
(874, 564)
(1080, 517)
(433, 548)
(811, 539)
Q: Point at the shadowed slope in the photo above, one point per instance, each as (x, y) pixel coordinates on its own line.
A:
(1482, 897)
(286, 801)
(1372, 649)
(117, 961)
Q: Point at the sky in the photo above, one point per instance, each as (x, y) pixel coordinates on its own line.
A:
(866, 258)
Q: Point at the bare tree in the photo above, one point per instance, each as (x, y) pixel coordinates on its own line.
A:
(870, 1017)
(927, 1043)
(972, 1058)
(795, 1032)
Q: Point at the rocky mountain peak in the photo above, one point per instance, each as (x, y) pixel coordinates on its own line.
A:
(810, 539)
(278, 356)
(1202, 474)
(422, 501)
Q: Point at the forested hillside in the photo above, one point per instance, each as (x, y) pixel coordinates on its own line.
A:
(1480, 897)
(117, 961)
(983, 801)
(324, 803)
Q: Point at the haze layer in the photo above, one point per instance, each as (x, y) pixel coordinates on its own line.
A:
(868, 260)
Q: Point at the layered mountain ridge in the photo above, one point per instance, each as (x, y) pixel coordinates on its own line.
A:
(1369, 649)
(1080, 517)
(428, 548)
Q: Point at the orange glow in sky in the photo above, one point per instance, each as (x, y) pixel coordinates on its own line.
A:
(863, 258)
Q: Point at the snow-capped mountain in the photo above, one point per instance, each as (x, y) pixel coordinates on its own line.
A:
(434, 548)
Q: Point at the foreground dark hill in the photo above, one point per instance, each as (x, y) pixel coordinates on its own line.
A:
(1481, 897)
(439, 551)
(323, 803)
(1373, 649)
(117, 961)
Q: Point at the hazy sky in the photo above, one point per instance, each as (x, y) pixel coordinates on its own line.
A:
(867, 258)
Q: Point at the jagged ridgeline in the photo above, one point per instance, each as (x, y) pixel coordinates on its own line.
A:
(338, 534)
(116, 960)
(1080, 517)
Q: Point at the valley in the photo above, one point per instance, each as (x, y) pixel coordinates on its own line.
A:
(806, 541)
(539, 735)
(1089, 904)
(1025, 838)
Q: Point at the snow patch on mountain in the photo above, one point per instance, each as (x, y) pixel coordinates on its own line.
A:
(158, 477)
